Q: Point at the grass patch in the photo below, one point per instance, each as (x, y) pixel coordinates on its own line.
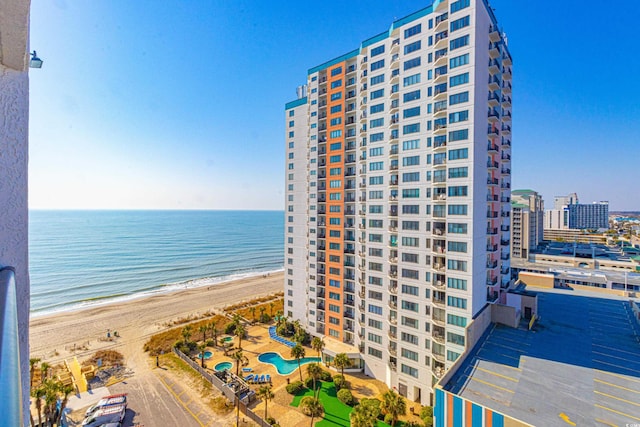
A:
(244, 309)
(164, 341)
(336, 413)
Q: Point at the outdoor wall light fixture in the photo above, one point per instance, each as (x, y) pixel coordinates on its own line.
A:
(35, 62)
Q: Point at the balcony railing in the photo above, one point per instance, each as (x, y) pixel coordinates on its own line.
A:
(11, 405)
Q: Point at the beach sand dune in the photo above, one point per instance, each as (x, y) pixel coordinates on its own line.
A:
(82, 332)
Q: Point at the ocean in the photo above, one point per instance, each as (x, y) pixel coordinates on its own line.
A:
(83, 258)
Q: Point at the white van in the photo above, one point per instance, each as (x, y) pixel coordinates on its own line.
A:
(106, 415)
(114, 399)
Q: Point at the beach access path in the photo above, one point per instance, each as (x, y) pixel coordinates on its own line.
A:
(81, 333)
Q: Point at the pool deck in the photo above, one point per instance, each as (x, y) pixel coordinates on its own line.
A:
(579, 366)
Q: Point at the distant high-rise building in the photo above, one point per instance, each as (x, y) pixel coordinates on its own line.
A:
(527, 222)
(589, 216)
(560, 202)
(398, 178)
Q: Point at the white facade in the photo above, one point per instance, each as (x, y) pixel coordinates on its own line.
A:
(407, 144)
(14, 127)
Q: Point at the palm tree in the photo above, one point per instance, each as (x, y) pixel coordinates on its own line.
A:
(262, 310)
(236, 319)
(215, 333)
(240, 332)
(312, 407)
(341, 361)
(66, 390)
(50, 399)
(271, 305)
(44, 371)
(314, 371)
(201, 348)
(298, 353)
(394, 405)
(279, 317)
(203, 330)
(265, 393)
(38, 394)
(364, 415)
(252, 310)
(186, 333)
(32, 368)
(317, 344)
(239, 358)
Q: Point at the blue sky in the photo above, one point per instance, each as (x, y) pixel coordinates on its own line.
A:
(179, 105)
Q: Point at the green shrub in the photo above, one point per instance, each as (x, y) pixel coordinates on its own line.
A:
(211, 343)
(426, 414)
(308, 383)
(265, 318)
(230, 328)
(295, 387)
(388, 419)
(326, 376)
(271, 421)
(340, 382)
(346, 397)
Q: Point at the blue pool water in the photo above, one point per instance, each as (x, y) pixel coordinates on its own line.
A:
(207, 355)
(223, 366)
(285, 366)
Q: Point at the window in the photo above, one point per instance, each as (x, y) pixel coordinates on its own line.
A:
(335, 134)
(336, 108)
(458, 191)
(459, 5)
(412, 31)
(334, 296)
(410, 338)
(336, 83)
(459, 172)
(413, 242)
(410, 225)
(454, 283)
(452, 356)
(411, 80)
(456, 228)
(452, 319)
(455, 339)
(335, 171)
(459, 79)
(375, 238)
(336, 71)
(460, 153)
(409, 370)
(412, 47)
(336, 121)
(377, 151)
(377, 65)
(374, 338)
(459, 23)
(375, 309)
(377, 252)
(411, 177)
(410, 290)
(291, 134)
(459, 61)
(411, 161)
(376, 166)
(410, 274)
(459, 42)
(336, 96)
(408, 354)
(411, 96)
(335, 246)
(410, 193)
(375, 137)
(411, 144)
(334, 221)
(376, 195)
(410, 209)
(375, 281)
(291, 113)
(411, 112)
(454, 264)
(412, 128)
(334, 233)
(459, 98)
(335, 183)
(376, 123)
(376, 324)
(457, 247)
(375, 352)
(459, 135)
(375, 208)
(335, 159)
(457, 302)
(377, 94)
(377, 79)
(375, 223)
(411, 306)
(459, 116)
(457, 209)
(376, 180)
(377, 50)
(411, 63)
(334, 308)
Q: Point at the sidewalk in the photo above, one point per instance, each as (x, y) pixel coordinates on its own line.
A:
(194, 408)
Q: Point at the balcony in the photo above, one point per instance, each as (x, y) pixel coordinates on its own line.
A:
(392, 335)
(505, 257)
(492, 281)
(492, 231)
(494, 50)
(439, 267)
(440, 302)
(393, 304)
(494, 81)
(494, 100)
(492, 248)
(493, 115)
(393, 320)
(506, 130)
(393, 290)
(505, 171)
(439, 284)
(504, 243)
(506, 73)
(494, 34)
(492, 264)
(438, 338)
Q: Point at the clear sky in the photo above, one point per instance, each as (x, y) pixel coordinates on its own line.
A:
(180, 104)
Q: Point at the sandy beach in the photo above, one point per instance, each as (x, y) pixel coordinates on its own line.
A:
(81, 333)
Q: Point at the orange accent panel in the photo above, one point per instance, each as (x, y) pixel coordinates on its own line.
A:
(449, 409)
(468, 413)
(488, 417)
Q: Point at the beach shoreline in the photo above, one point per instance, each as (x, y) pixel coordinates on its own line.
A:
(58, 336)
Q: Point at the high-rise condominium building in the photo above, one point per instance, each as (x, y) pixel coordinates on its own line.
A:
(397, 193)
(527, 222)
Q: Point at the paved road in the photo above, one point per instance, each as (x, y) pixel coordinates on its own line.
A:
(151, 404)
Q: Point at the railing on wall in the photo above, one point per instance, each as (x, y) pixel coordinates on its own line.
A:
(10, 378)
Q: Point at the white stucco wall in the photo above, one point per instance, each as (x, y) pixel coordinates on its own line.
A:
(14, 129)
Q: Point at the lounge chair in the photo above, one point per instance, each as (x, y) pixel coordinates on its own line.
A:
(261, 381)
(268, 379)
(248, 377)
(247, 369)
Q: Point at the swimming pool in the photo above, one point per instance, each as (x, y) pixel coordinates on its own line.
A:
(223, 366)
(285, 366)
(207, 355)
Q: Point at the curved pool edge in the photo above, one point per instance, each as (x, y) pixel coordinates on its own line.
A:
(313, 359)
